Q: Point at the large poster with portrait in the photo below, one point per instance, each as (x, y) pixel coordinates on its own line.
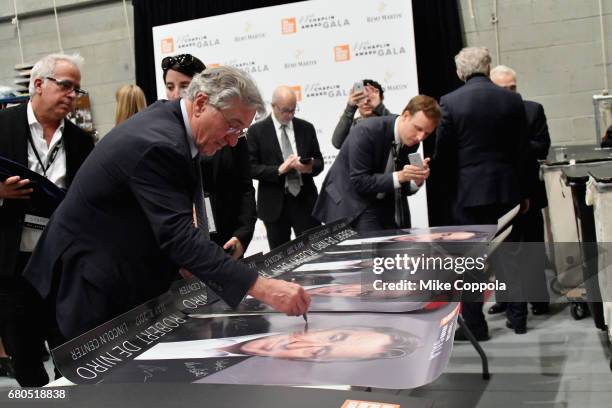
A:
(379, 316)
(376, 350)
(320, 48)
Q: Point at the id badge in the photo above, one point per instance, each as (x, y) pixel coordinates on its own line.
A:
(209, 214)
(33, 226)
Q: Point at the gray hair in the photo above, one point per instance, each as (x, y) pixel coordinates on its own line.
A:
(223, 84)
(46, 66)
(503, 70)
(472, 60)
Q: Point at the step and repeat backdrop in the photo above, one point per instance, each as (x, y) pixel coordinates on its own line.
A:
(317, 47)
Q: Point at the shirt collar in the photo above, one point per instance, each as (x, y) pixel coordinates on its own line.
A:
(397, 139)
(33, 121)
(277, 124)
(192, 146)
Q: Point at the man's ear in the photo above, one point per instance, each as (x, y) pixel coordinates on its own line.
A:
(37, 85)
(200, 102)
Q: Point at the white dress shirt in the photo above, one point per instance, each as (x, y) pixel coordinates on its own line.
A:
(279, 133)
(55, 171)
(396, 184)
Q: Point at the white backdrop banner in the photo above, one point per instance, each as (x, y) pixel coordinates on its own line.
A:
(319, 48)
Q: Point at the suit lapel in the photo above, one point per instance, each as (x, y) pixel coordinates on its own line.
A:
(389, 139)
(21, 136)
(299, 138)
(270, 133)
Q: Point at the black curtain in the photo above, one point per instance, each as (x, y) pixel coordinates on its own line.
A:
(438, 39)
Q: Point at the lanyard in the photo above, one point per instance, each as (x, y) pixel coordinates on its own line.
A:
(51, 156)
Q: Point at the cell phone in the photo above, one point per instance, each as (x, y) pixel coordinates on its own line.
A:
(230, 250)
(358, 87)
(306, 160)
(415, 159)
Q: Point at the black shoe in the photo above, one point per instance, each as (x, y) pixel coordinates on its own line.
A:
(497, 308)
(520, 328)
(481, 334)
(540, 309)
(6, 368)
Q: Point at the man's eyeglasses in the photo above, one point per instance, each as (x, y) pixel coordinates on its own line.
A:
(240, 132)
(187, 61)
(285, 110)
(67, 86)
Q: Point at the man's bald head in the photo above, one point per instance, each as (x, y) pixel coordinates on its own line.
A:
(504, 76)
(283, 104)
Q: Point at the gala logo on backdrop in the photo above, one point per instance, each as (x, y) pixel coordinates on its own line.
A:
(342, 53)
(167, 45)
(288, 25)
(298, 92)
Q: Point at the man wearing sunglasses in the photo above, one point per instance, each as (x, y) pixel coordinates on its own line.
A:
(127, 225)
(37, 136)
(227, 174)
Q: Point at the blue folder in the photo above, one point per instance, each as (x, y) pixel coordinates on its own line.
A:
(46, 196)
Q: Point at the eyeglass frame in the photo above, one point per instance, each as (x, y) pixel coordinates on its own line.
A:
(232, 130)
(62, 84)
(285, 111)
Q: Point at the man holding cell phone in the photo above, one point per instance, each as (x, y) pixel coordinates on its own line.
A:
(377, 167)
(285, 156)
(366, 96)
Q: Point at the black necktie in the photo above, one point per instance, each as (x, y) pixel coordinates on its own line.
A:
(198, 200)
(402, 212)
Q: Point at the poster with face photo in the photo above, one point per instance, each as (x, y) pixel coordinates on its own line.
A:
(394, 351)
(463, 233)
(355, 292)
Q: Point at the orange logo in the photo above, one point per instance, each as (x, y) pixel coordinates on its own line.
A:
(167, 45)
(367, 404)
(288, 25)
(213, 65)
(298, 92)
(342, 53)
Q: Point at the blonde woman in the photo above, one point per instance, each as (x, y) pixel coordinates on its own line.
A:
(130, 100)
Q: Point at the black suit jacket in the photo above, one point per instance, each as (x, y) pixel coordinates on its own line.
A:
(481, 144)
(14, 136)
(126, 226)
(539, 143)
(227, 177)
(358, 173)
(266, 156)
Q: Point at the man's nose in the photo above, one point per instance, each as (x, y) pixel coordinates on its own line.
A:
(231, 140)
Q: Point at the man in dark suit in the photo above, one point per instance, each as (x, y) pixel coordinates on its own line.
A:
(127, 224)
(226, 175)
(285, 157)
(371, 173)
(479, 146)
(37, 136)
(530, 225)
